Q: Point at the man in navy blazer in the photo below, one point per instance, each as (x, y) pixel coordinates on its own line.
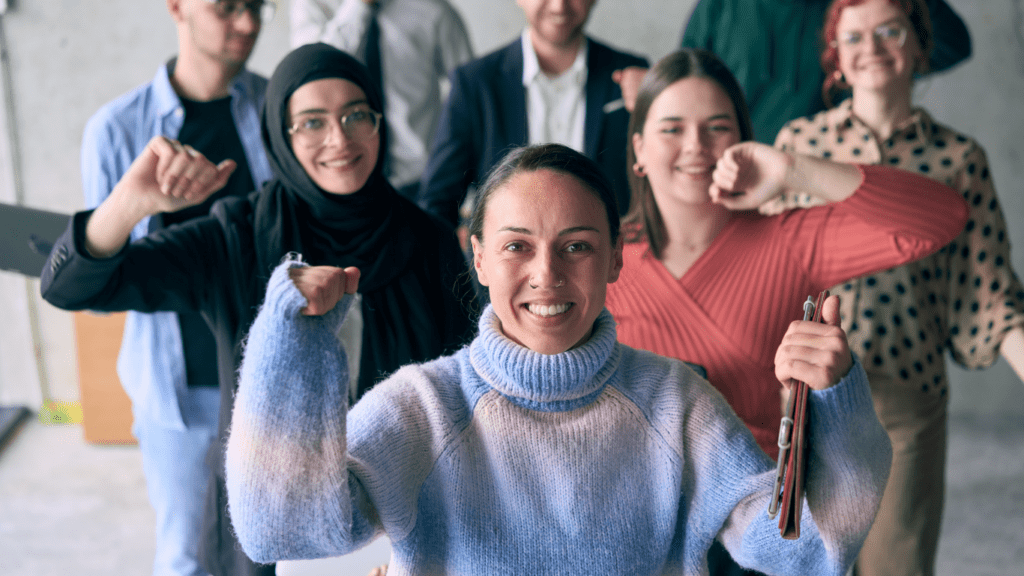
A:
(487, 109)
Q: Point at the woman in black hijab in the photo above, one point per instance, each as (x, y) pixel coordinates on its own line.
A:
(329, 203)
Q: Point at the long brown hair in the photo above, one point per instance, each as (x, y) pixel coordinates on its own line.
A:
(644, 221)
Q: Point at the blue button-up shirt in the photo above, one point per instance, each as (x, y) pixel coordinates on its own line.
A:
(151, 364)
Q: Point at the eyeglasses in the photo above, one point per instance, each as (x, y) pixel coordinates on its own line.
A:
(261, 10)
(313, 130)
(892, 34)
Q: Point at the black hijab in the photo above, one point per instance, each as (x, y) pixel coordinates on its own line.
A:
(413, 308)
(293, 214)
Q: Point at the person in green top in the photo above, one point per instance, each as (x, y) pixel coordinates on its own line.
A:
(773, 48)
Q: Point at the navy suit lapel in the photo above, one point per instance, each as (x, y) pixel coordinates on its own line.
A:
(513, 94)
(599, 92)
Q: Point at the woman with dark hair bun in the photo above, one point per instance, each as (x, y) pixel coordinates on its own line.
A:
(707, 279)
(964, 299)
(328, 204)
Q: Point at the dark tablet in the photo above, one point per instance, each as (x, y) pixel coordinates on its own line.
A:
(26, 237)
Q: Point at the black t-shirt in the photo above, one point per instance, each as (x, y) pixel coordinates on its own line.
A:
(210, 129)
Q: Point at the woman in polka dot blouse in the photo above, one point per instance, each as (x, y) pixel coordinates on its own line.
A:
(965, 298)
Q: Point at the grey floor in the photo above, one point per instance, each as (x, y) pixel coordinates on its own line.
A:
(67, 507)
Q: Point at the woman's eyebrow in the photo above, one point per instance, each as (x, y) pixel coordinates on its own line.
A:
(570, 230)
(325, 111)
(575, 229)
(722, 116)
(516, 229)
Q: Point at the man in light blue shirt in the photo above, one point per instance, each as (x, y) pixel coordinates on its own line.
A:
(205, 98)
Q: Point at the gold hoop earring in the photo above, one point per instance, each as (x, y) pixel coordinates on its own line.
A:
(840, 79)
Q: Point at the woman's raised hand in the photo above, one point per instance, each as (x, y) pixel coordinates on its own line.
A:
(165, 177)
(748, 174)
(815, 353)
(324, 286)
(629, 80)
(169, 176)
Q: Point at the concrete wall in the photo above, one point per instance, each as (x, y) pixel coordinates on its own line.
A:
(67, 57)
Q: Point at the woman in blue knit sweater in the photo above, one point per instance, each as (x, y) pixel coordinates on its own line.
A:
(544, 446)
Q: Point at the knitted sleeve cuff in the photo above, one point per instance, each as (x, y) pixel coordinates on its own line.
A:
(284, 299)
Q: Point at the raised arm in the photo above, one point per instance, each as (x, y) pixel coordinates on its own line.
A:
(848, 462)
(166, 177)
(874, 217)
(847, 467)
(289, 491)
(93, 266)
(749, 174)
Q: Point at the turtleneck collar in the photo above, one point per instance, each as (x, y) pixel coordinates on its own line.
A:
(544, 382)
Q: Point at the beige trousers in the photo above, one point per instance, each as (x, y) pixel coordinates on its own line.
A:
(904, 538)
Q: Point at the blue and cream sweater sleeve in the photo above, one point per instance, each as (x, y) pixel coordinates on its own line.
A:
(847, 463)
(286, 455)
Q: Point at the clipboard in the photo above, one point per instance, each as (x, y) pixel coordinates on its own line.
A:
(788, 492)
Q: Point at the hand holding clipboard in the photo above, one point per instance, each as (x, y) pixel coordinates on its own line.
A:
(814, 354)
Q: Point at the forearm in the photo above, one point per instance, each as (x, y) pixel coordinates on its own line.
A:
(848, 462)
(111, 224)
(894, 218)
(847, 466)
(822, 179)
(286, 459)
(168, 271)
(1012, 349)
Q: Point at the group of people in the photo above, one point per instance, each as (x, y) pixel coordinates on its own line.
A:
(287, 247)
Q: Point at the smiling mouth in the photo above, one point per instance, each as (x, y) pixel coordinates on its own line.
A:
(549, 311)
(695, 170)
(339, 163)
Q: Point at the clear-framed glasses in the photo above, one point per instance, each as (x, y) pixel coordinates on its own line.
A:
(313, 130)
(261, 10)
(891, 34)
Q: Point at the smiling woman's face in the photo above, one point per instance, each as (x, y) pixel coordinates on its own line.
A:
(546, 257)
(689, 126)
(339, 164)
(870, 60)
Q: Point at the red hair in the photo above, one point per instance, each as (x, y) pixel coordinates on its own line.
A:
(916, 12)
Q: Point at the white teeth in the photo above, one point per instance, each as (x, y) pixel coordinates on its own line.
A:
(339, 163)
(553, 310)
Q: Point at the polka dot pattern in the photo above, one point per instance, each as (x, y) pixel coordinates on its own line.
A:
(962, 299)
